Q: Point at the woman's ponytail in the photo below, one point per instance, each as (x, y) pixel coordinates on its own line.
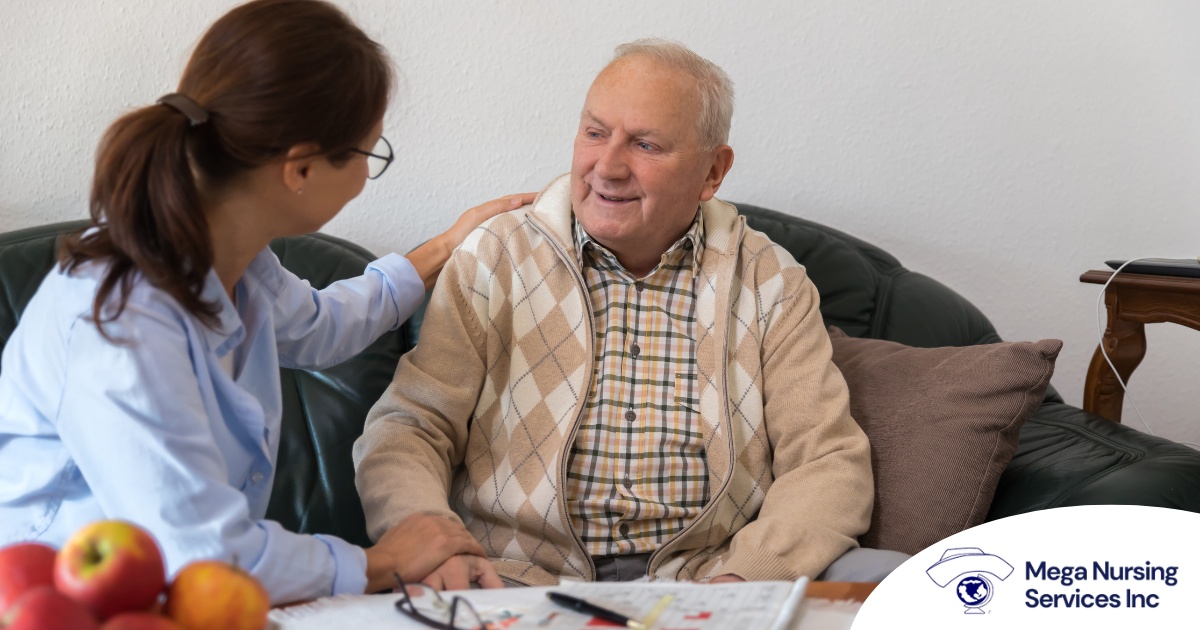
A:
(146, 211)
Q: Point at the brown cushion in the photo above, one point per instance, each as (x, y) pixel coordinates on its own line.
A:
(943, 425)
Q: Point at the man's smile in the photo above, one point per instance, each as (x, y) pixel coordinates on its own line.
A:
(614, 198)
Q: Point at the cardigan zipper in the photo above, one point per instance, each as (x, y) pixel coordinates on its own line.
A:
(729, 430)
(566, 452)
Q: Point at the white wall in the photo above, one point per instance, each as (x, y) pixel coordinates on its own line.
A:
(1000, 147)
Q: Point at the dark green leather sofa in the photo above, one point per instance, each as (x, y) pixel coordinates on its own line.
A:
(1065, 457)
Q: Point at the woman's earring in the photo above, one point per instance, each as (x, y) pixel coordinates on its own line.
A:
(300, 191)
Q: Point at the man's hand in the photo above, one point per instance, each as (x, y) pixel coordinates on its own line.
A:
(415, 547)
(725, 579)
(459, 572)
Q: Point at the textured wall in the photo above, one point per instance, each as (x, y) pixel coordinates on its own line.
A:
(1002, 147)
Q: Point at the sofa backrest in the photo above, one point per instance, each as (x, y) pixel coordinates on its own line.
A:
(866, 292)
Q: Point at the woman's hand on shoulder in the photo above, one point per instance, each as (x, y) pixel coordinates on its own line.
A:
(430, 257)
(416, 547)
(472, 218)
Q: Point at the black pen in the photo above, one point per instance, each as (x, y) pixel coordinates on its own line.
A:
(579, 605)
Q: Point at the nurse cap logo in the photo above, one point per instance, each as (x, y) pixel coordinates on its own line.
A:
(967, 568)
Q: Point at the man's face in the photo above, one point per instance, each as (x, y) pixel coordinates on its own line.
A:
(640, 169)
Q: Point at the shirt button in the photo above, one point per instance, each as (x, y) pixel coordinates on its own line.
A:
(635, 350)
(624, 529)
(639, 286)
(628, 483)
(630, 415)
(256, 477)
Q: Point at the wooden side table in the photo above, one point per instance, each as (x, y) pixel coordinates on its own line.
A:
(1133, 300)
(837, 591)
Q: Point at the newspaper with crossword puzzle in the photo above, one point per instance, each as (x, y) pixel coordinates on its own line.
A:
(659, 605)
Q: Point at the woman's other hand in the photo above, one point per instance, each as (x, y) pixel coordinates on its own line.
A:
(430, 257)
(459, 572)
(416, 547)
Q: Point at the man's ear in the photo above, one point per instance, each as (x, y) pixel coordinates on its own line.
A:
(722, 161)
(297, 165)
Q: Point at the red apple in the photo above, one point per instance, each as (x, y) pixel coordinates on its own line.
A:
(211, 595)
(22, 567)
(43, 608)
(139, 621)
(111, 567)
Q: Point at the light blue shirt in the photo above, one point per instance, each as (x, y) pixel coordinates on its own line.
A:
(155, 431)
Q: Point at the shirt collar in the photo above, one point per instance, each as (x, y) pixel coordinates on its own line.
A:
(226, 331)
(694, 235)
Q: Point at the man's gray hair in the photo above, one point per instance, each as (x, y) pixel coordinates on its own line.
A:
(716, 88)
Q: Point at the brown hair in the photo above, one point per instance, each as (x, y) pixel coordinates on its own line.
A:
(272, 74)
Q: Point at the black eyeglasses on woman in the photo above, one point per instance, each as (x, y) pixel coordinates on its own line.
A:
(378, 159)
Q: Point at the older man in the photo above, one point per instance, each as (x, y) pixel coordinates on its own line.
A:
(625, 380)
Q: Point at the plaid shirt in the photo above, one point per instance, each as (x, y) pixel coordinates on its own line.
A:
(637, 474)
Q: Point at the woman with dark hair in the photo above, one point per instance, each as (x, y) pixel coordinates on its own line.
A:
(143, 380)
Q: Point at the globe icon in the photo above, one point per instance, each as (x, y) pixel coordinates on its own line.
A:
(974, 591)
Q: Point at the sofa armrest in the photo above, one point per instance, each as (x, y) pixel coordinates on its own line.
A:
(1067, 456)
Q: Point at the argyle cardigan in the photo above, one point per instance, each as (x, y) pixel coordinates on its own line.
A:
(480, 418)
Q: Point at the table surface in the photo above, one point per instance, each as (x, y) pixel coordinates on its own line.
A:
(1182, 284)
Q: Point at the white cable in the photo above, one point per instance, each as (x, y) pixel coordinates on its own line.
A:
(1100, 333)
(1104, 353)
